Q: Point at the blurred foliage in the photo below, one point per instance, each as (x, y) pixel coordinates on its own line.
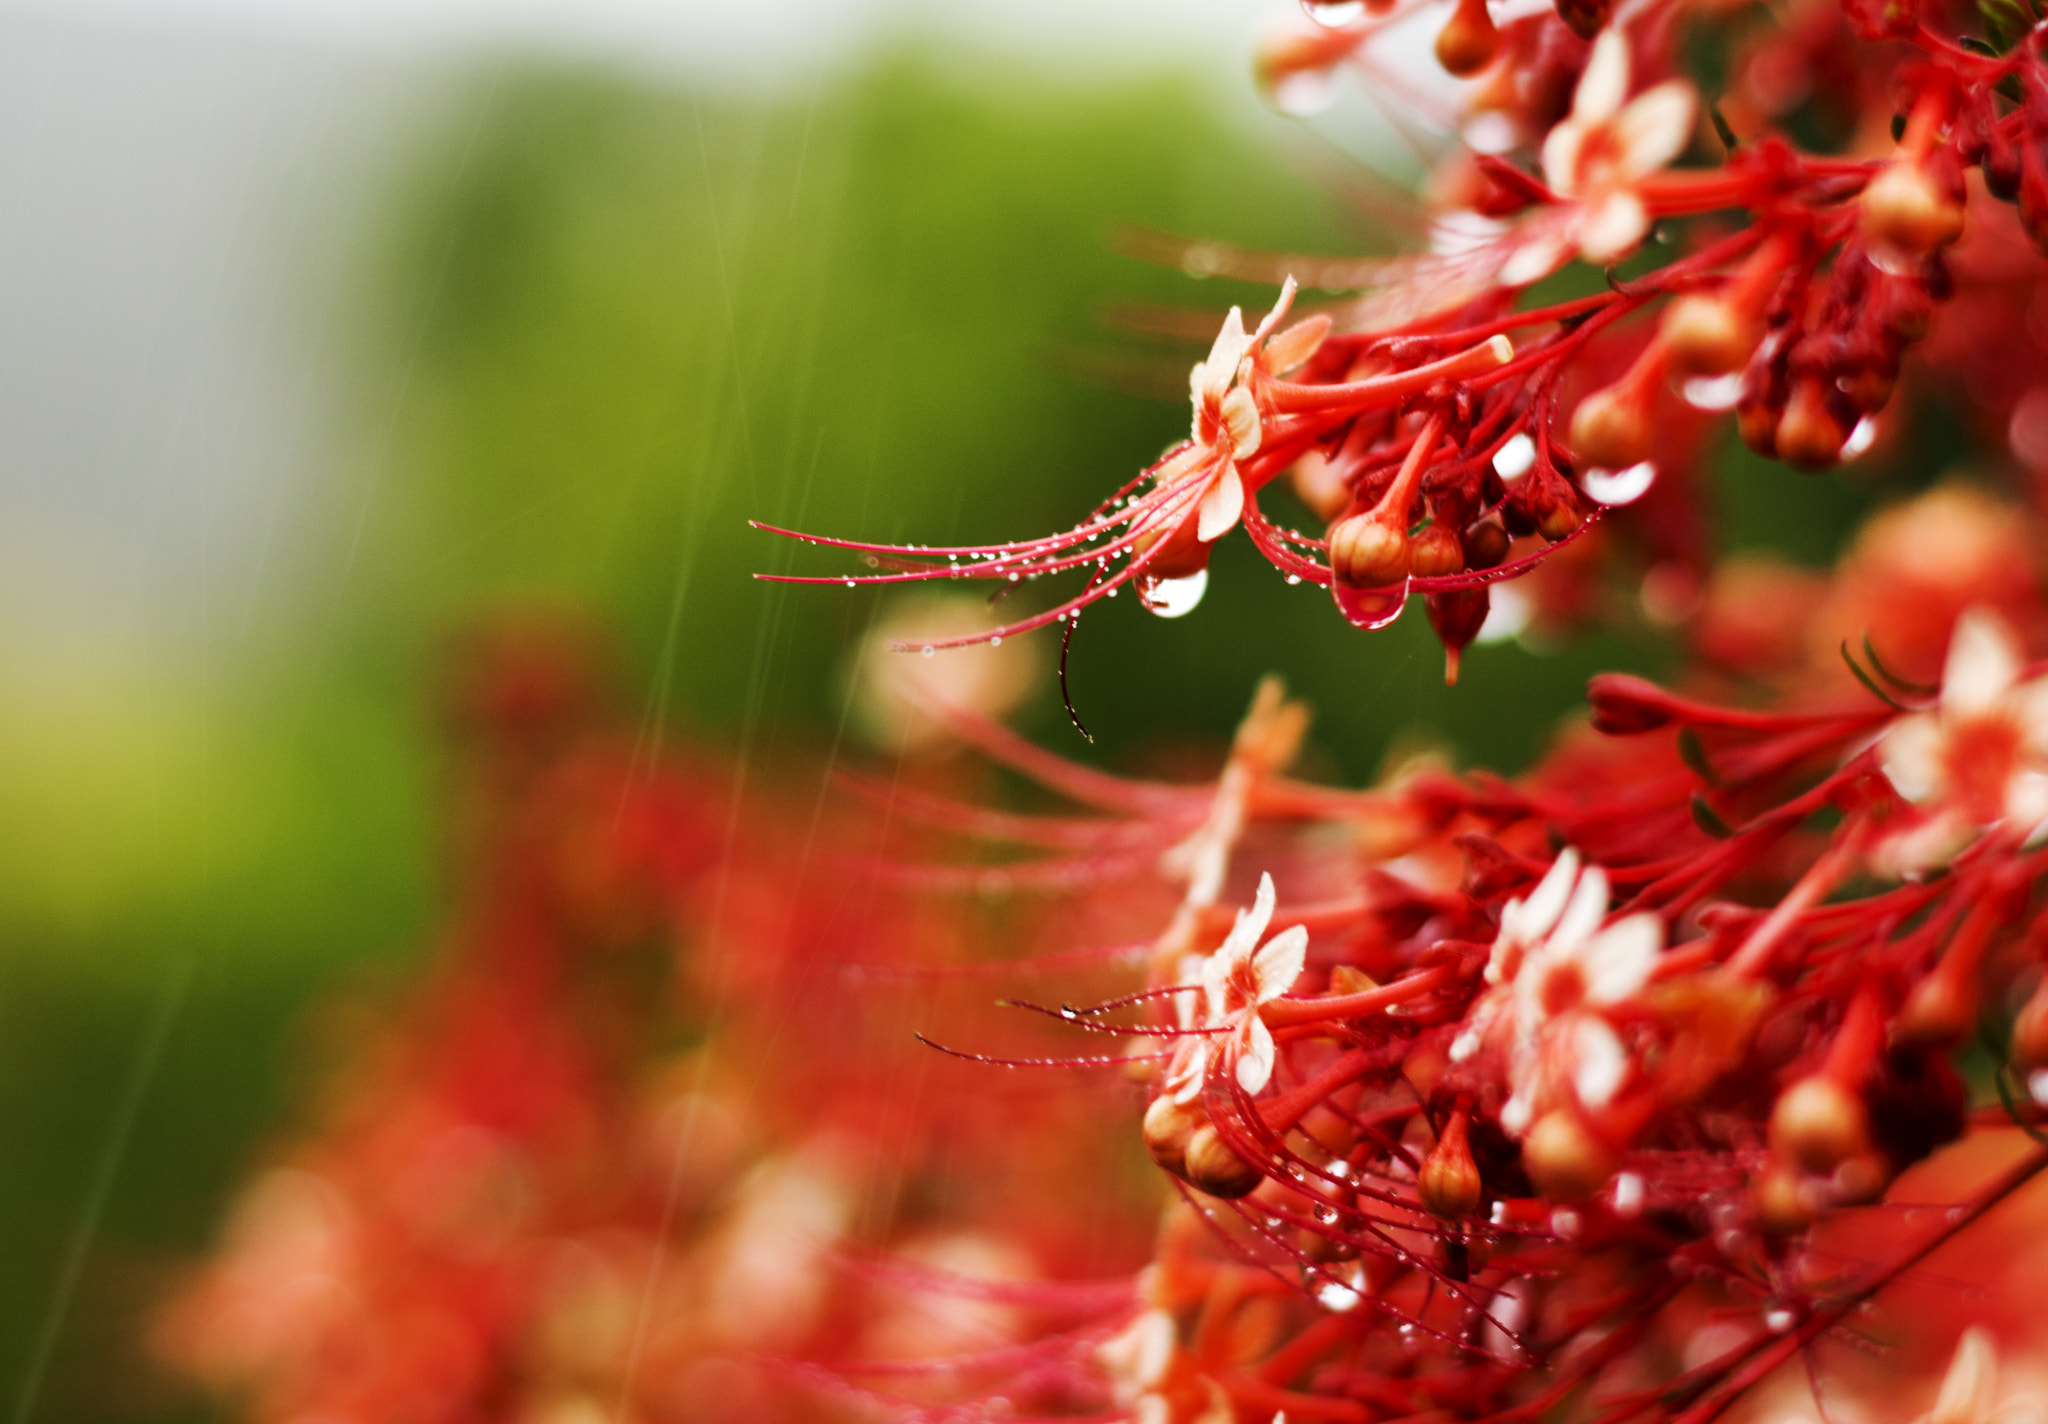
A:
(612, 324)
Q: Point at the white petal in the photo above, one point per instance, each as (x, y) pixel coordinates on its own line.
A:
(1599, 1063)
(1515, 1114)
(2026, 799)
(1230, 345)
(1535, 259)
(1618, 960)
(1278, 965)
(1561, 157)
(1910, 756)
(1273, 317)
(1612, 224)
(1983, 663)
(1241, 421)
(1534, 919)
(1261, 913)
(1255, 1057)
(1966, 1389)
(1656, 126)
(1582, 916)
(1605, 82)
(1216, 971)
(1220, 507)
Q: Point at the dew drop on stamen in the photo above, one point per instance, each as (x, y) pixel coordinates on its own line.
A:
(996, 642)
(1294, 578)
(1618, 487)
(1780, 1318)
(928, 650)
(1173, 598)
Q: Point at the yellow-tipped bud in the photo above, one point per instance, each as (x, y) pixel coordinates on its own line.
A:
(1705, 336)
(1436, 552)
(1366, 553)
(1611, 427)
(1810, 435)
(1565, 1158)
(1213, 1168)
(1168, 1126)
(1906, 210)
(1819, 1124)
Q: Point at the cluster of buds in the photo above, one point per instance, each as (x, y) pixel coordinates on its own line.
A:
(1449, 434)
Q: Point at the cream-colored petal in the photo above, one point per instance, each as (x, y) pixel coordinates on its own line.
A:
(1278, 964)
(1561, 157)
(2026, 800)
(1604, 84)
(1140, 1354)
(1618, 960)
(1255, 1054)
(1983, 663)
(1534, 918)
(1599, 1064)
(1229, 347)
(1241, 422)
(1582, 914)
(1220, 507)
(1967, 1388)
(1656, 126)
(1296, 344)
(1911, 757)
(1611, 225)
(1274, 317)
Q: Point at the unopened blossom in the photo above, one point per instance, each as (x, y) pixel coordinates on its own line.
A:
(1236, 980)
(1597, 158)
(1979, 757)
(1551, 971)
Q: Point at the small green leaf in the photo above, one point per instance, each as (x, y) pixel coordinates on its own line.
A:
(1709, 820)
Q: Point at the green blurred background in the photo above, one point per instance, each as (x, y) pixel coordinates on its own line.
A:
(591, 323)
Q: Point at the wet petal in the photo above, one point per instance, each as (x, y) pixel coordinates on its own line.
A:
(1255, 1055)
(1656, 126)
(1279, 964)
(1599, 1062)
(1910, 756)
(1241, 422)
(1611, 225)
(1582, 916)
(1220, 507)
(1983, 663)
(1604, 84)
(1618, 960)
(1296, 344)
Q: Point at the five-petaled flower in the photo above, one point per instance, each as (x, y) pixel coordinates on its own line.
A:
(1236, 980)
(1978, 758)
(1597, 159)
(1552, 969)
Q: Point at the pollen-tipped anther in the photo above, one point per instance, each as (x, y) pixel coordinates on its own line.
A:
(1565, 1158)
(1611, 427)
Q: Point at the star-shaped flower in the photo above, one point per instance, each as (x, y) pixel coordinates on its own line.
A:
(1239, 977)
(1597, 158)
(1552, 969)
(1979, 758)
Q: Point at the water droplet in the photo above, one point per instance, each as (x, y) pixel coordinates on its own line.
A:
(1013, 578)
(996, 641)
(1515, 459)
(1860, 439)
(1326, 1214)
(1370, 608)
(849, 583)
(1617, 487)
(1715, 393)
(1294, 578)
(1337, 1299)
(1780, 1318)
(928, 650)
(1173, 598)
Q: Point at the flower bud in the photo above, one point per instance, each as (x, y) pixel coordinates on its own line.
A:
(1448, 1183)
(1941, 1010)
(1168, 1126)
(1779, 1201)
(1705, 336)
(1565, 1158)
(1757, 423)
(1819, 1124)
(1810, 434)
(1486, 544)
(1456, 617)
(2029, 1049)
(1436, 552)
(1860, 1180)
(1624, 704)
(1213, 1168)
(1366, 553)
(1907, 210)
(1611, 427)
(1468, 41)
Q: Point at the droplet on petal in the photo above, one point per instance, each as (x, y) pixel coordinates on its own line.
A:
(1370, 608)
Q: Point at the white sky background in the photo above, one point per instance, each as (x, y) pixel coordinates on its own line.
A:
(178, 183)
